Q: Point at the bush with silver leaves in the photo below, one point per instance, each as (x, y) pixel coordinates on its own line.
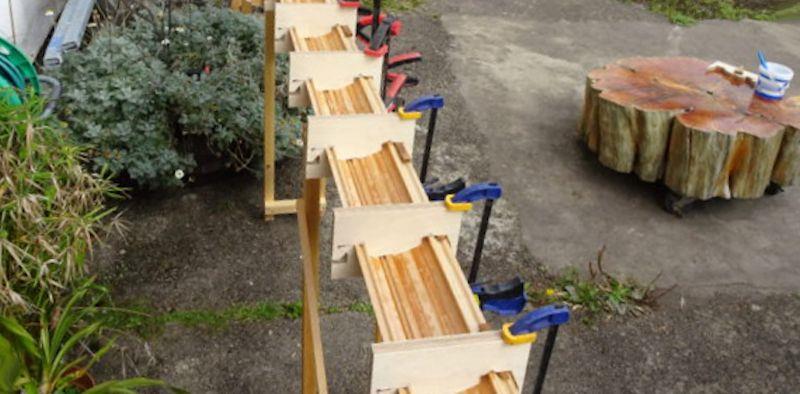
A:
(154, 102)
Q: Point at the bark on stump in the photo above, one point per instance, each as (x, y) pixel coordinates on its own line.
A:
(704, 134)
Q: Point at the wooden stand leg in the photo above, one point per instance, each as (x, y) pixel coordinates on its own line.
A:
(308, 220)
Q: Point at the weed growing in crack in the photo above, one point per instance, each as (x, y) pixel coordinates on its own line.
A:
(600, 293)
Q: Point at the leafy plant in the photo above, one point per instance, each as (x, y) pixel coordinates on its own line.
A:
(687, 12)
(51, 208)
(600, 293)
(154, 102)
(52, 355)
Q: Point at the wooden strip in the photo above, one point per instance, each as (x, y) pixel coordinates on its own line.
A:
(420, 288)
(444, 242)
(372, 95)
(349, 186)
(432, 281)
(377, 298)
(297, 42)
(444, 302)
(402, 195)
(403, 298)
(414, 302)
(410, 181)
(402, 152)
(397, 297)
(457, 283)
(359, 181)
(348, 100)
(345, 36)
(333, 163)
(386, 172)
(396, 330)
(369, 185)
(381, 191)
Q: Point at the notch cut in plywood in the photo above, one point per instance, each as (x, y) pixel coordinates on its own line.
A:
(359, 97)
(420, 293)
(384, 178)
(340, 38)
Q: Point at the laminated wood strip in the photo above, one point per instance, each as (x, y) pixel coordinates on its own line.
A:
(382, 316)
(338, 178)
(457, 283)
(372, 95)
(345, 37)
(449, 316)
(398, 298)
(426, 299)
(412, 184)
(298, 44)
(438, 297)
(409, 305)
(417, 289)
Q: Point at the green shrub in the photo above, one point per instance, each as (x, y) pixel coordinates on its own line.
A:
(51, 208)
(154, 105)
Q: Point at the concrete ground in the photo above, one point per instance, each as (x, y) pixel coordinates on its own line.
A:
(512, 72)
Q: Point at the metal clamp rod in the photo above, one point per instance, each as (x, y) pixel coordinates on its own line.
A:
(543, 364)
(423, 172)
(476, 258)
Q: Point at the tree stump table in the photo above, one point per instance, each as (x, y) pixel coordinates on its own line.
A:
(704, 134)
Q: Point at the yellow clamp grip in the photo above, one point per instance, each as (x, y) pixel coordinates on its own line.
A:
(456, 206)
(512, 339)
(408, 115)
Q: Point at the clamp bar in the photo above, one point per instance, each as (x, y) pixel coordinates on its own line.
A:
(462, 201)
(523, 330)
(427, 103)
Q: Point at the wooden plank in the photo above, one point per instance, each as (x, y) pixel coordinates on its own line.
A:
(396, 331)
(338, 179)
(443, 248)
(382, 313)
(314, 376)
(329, 70)
(387, 229)
(410, 180)
(372, 94)
(446, 305)
(445, 364)
(420, 288)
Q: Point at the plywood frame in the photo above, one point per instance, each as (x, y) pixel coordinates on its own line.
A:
(445, 364)
(352, 136)
(328, 70)
(387, 229)
(313, 19)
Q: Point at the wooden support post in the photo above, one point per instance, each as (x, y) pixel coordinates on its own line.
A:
(308, 220)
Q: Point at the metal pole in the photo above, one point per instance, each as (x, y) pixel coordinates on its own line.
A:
(476, 258)
(423, 172)
(548, 350)
(376, 15)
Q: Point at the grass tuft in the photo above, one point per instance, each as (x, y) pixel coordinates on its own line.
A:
(599, 294)
(395, 5)
(688, 12)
